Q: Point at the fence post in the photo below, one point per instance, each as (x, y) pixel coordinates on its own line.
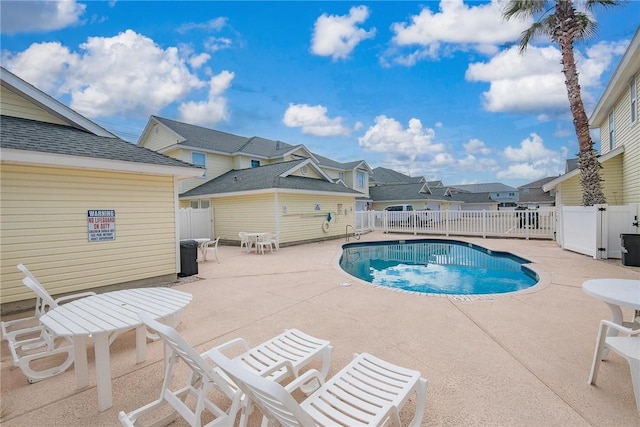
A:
(446, 222)
(484, 224)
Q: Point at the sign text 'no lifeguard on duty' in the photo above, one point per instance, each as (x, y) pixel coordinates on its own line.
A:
(101, 225)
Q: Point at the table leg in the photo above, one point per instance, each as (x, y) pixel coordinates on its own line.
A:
(80, 361)
(103, 371)
(141, 344)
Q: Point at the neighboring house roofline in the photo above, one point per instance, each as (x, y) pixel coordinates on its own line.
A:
(626, 69)
(268, 191)
(147, 129)
(49, 104)
(601, 159)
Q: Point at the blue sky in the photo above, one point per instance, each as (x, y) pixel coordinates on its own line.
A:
(435, 89)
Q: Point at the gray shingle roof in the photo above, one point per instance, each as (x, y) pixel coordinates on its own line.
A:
(485, 187)
(400, 192)
(31, 135)
(539, 183)
(266, 177)
(389, 176)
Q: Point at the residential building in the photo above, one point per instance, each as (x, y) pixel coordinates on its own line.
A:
(81, 208)
(532, 195)
(504, 195)
(615, 117)
(257, 184)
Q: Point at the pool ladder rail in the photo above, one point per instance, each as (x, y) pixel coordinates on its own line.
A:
(356, 233)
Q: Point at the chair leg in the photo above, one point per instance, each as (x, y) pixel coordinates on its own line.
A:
(634, 366)
(597, 355)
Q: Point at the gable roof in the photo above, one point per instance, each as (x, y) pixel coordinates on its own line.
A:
(47, 103)
(32, 141)
(539, 183)
(407, 192)
(267, 178)
(389, 176)
(489, 187)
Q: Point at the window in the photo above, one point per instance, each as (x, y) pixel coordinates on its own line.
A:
(360, 179)
(525, 191)
(199, 159)
(633, 95)
(612, 131)
(255, 163)
(512, 194)
(199, 204)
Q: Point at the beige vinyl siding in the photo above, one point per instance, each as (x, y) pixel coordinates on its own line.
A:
(631, 168)
(311, 173)
(297, 219)
(160, 138)
(612, 185)
(251, 213)
(44, 226)
(16, 106)
(216, 165)
(302, 222)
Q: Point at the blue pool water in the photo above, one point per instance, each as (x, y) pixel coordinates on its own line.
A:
(437, 266)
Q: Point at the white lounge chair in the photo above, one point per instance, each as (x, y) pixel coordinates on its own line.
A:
(211, 248)
(626, 346)
(279, 358)
(368, 391)
(265, 241)
(202, 379)
(29, 341)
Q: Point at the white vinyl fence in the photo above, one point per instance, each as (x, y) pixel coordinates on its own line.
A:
(540, 223)
(595, 230)
(195, 223)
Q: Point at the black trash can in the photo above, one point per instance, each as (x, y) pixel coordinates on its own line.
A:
(188, 258)
(630, 249)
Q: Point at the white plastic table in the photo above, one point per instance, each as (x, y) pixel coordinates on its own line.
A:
(253, 238)
(616, 293)
(101, 315)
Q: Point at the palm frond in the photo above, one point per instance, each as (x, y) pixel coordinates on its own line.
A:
(585, 26)
(592, 4)
(537, 28)
(524, 8)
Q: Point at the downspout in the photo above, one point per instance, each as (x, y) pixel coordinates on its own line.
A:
(276, 211)
(176, 213)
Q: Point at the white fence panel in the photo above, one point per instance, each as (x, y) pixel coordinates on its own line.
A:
(619, 220)
(580, 229)
(522, 224)
(195, 223)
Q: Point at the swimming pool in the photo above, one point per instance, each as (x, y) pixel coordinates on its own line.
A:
(437, 266)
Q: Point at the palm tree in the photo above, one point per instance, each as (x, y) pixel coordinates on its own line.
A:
(561, 21)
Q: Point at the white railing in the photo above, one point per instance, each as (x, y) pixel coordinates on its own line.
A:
(539, 224)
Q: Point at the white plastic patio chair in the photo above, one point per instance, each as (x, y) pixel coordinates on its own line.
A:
(368, 391)
(626, 346)
(29, 341)
(264, 241)
(35, 343)
(276, 240)
(202, 379)
(211, 248)
(244, 241)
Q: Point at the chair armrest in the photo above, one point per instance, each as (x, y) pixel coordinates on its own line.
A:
(237, 341)
(298, 383)
(74, 296)
(619, 328)
(283, 364)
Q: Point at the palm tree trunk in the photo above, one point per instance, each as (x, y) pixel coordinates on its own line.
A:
(590, 179)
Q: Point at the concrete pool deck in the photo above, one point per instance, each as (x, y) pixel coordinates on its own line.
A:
(512, 360)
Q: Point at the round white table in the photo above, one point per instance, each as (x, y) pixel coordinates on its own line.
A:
(616, 293)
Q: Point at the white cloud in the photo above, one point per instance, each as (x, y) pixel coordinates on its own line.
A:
(197, 61)
(337, 36)
(532, 160)
(475, 146)
(314, 120)
(127, 74)
(532, 82)
(39, 16)
(215, 24)
(213, 44)
(388, 136)
(214, 109)
(480, 27)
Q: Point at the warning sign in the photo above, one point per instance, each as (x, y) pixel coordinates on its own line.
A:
(101, 225)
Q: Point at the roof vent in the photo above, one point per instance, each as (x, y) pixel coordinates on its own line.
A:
(235, 178)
